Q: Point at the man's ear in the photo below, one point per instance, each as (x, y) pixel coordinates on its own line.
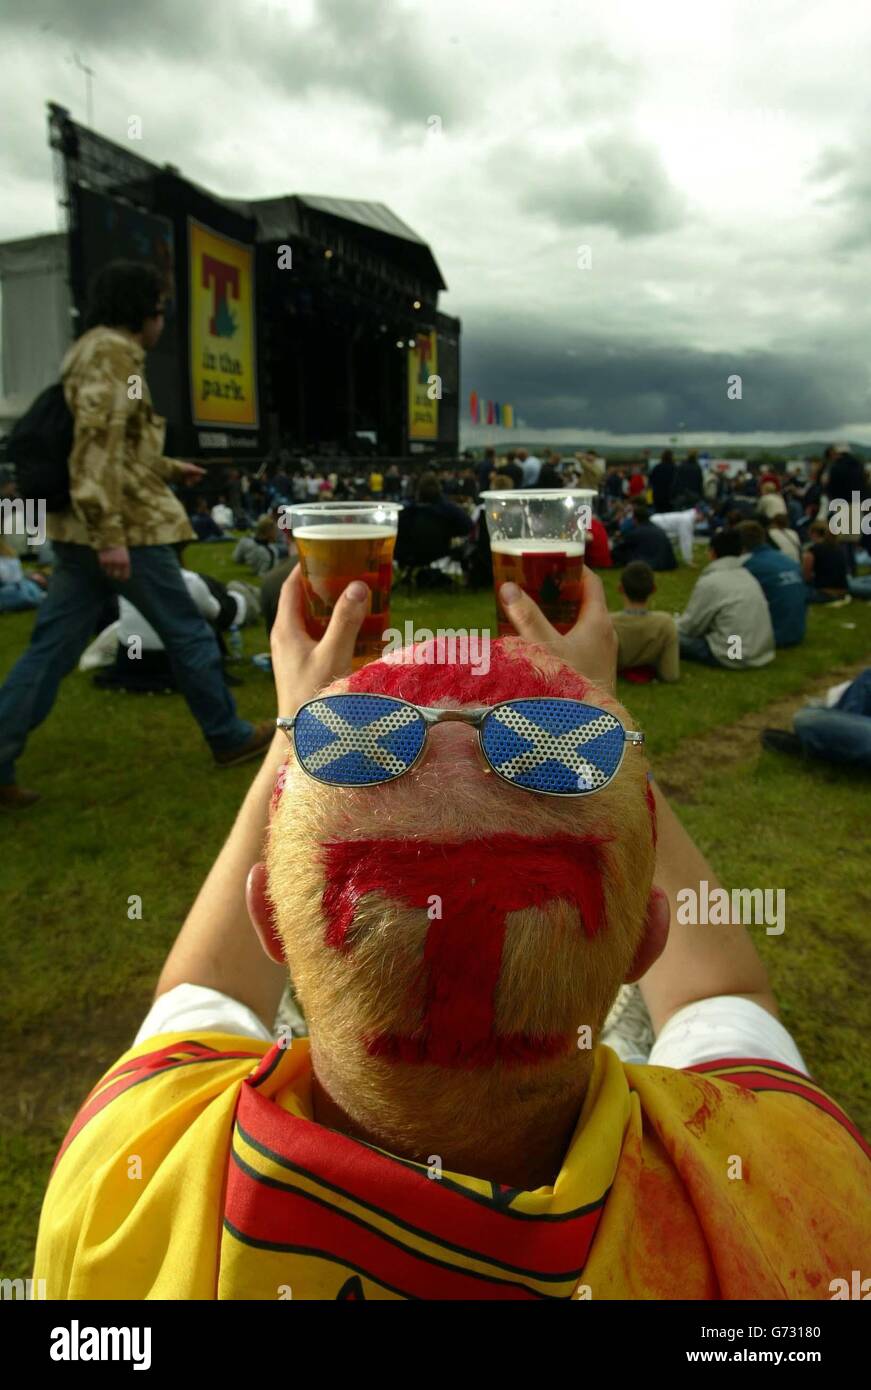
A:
(652, 943)
(261, 912)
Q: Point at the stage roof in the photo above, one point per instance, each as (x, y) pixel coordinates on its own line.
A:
(375, 215)
(370, 222)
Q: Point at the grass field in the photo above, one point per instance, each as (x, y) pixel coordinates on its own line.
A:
(132, 805)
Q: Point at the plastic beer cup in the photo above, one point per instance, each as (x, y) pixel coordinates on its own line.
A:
(537, 540)
(338, 542)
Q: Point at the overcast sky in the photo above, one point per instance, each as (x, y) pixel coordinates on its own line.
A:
(714, 157)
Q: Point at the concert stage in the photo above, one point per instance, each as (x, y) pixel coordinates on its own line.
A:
(301, 322)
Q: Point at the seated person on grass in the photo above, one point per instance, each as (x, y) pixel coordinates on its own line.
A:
(726, 622)
(457, 917)
(781, 583)
(837, 733)
(204, 524)
(597, 552)
(826, 569)
(222, 514)
(260, 551)
(781, 535)
(679, 527)
(130, 655)
(640, 539)
(648, 644)
(18, 591)
(431, 521)
(771, 503)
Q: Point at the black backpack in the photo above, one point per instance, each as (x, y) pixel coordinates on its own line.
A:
(40, 445)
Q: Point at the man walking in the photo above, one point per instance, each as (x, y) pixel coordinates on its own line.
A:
(118, 533)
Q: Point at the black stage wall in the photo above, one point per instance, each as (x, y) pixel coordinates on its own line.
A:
(317, 361)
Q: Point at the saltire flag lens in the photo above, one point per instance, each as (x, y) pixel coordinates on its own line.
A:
(557, 746)
(561, 747)
(355, 740)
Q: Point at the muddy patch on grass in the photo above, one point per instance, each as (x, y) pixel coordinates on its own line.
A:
(680, 774)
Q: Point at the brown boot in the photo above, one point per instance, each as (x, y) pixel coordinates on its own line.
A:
(258, 743)
(16, 798)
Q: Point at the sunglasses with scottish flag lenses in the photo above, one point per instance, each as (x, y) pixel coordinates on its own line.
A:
(553, 747)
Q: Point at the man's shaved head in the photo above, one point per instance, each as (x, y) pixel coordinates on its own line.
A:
(447, 927)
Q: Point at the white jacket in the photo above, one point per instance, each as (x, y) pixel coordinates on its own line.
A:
(726, 603)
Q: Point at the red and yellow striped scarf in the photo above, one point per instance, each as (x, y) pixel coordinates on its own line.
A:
(195, 1170)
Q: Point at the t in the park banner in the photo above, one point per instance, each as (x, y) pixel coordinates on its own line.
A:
(424, 388)
(223, 363)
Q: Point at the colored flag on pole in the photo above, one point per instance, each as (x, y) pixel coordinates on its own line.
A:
(508, 416)
(473, 406)
(497, 417)
(490, 419)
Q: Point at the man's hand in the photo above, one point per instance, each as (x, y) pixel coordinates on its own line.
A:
(591, 645)
(300, 665)
(191, 472)
(115, 562)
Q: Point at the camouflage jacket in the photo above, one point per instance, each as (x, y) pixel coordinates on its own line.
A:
(118, 474)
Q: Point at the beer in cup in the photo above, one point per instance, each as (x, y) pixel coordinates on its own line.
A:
(537, 540)
(338, 542)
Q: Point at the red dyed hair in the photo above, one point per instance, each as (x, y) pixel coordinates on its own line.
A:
(512, 676)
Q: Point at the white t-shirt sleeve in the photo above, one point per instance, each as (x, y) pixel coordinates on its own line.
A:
(195, 1009)
(726, 1026)
(202, 595)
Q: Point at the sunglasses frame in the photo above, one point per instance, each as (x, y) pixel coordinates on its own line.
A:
(474, 717)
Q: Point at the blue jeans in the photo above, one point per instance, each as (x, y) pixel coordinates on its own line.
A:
(697, 649)
(842, 734)
(859, 587)
(65, 624)
(16, 598)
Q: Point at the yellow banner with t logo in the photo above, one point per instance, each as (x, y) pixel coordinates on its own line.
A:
(222, 342)
(424, 388)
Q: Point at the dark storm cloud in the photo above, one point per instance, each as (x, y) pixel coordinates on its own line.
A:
(611, 179)
(358, 48)
(638, 389)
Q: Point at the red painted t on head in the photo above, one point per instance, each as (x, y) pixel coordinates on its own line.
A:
(462, 957)
(476, 883)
